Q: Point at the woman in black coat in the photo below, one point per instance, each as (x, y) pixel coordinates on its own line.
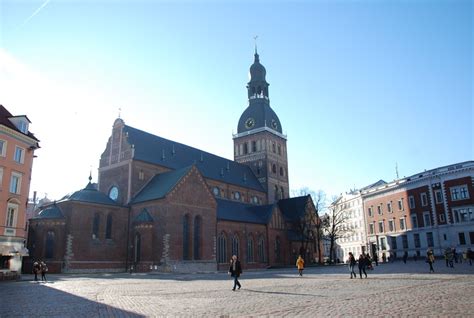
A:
(362, 265)
(235, 270)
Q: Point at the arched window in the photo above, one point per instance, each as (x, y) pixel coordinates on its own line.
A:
(95, 226)
(279, 149)
(235, 245)
(246, 148)
(49, 250)
(186, 237)
(281, 171)
(254, 146)
(273, 148)
(197, 237)
(138, 248)
(282, 193)
(249, 249)
(261, 249)
(274, 168)
(277, 194)
(277, 249)
(108, 228)
(222, 249)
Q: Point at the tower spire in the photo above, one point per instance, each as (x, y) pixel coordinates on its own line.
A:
(255, 38)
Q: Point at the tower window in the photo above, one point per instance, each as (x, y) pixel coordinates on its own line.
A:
(281, 171)
(254, 146)
(279, 149)
(246, 149)
(273, 148)
(274, 168)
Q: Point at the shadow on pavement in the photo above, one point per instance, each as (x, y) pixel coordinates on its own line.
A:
(21, 300)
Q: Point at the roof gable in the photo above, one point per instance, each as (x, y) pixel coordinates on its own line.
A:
(294, 209)
(143, 217)
(174, 155)
(160, 185)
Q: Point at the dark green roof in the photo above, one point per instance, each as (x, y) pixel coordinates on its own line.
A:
(92, 195)
(160, 185)
(241, 212)
(293, 209)
(143, 217)
(174, 155)
(50, 212)
(260, 111)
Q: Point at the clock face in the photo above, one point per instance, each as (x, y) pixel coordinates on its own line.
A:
(237, 195)
(216, 191)
(274, 124)
(249, 123)
(113, 193)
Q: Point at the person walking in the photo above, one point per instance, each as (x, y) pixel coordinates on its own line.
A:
(362, 264)
(300, 265)
(470, 255)
(352, 263)
(430, 259)
(405, 257)
(235, 271)
(36, 270)
(44, 269)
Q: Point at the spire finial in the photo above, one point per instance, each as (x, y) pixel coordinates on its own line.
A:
(255, 38)
(90, 176)
(120, 111)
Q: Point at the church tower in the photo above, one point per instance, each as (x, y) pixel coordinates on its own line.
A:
(259, 142)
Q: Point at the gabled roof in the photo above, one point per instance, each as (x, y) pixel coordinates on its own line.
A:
(240, 212)
(160, 185)
(174, 155)
(293, 209)
(375, 184)
(5, 116)
(92, 195)
(143, 217)
(50, 212)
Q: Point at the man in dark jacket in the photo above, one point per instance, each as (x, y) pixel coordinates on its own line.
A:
(235, 270)
(362, 265)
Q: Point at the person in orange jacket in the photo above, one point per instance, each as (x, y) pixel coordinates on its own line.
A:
(300, 265)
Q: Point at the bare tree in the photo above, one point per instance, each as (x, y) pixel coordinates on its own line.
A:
(311, 228)
(334, 225)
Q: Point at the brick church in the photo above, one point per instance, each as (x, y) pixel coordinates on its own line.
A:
(160, 205)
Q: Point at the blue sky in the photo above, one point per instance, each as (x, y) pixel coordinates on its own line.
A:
(358, 85)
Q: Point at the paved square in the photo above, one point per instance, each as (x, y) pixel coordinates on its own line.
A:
(391, 290)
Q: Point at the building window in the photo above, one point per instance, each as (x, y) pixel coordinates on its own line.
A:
(389, 207)
(463, 215)
(1, 177)
(246, 148)
(138, 248)
(141, 175)
(222, 249)
(277, 249)
(12, 214)
(95, 226)
(402, 224)
(411, 202)
(379, 209)
(371, 228)
(370, 212)
(459, 193)
(249, 249)
(279, 149)
(197, 237)
(438, 196)
(282, 193)
(273, 148)
(471, 237)
(23, 126)
(416, 237)
(281, 171)
(404, 241)
(400, 204)
(254, 146)
(414, 221)
(391, 228)
(277, 194)
(381, 227)
(261, 249)
(235, 245)
(462, 238)
(426, 219)
(49, 246)
(186, 238)
(274, 168)
(441, 218)
(3, 148)
(108, 228)
(19, 155)
(393, 243)
(429, 239)
(424, 199)
(15, 183)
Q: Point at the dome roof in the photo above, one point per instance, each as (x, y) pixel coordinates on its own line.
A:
(258, 114)
(50, 212)
(92, 195)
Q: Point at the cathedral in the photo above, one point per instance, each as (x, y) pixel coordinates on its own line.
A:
(160, 205)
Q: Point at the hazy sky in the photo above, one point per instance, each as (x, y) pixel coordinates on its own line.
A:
(358, 85)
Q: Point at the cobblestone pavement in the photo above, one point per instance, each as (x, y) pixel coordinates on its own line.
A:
(390, 290)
